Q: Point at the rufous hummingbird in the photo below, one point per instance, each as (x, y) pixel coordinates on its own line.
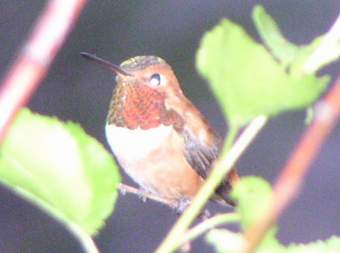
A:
(158, 136)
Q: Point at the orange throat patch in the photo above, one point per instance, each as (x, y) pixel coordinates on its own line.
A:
(140, 106)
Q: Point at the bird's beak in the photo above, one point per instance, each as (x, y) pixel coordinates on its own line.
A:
(115, 68)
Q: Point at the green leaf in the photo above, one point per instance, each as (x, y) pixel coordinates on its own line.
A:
(287, 53)
(247, 80)
(224, 241)
(61, 169)
(271, 35)
(330, 245)
(252, 195)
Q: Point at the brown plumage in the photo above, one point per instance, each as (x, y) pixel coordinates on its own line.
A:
(158, 136)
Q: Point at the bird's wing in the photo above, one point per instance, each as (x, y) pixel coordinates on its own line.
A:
(201, 149)
(199, 155)
(201, 143)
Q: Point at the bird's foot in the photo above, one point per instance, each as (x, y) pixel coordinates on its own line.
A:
(204, 215)
(122, 190)
(142, 194)
(181, 205)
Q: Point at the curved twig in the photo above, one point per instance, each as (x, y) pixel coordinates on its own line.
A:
(123, 188)
(35, 57)
(291, 178)
(224, 163)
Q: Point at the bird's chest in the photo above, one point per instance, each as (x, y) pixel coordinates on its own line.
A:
(131, 146)
(154, 158)
(147, 154)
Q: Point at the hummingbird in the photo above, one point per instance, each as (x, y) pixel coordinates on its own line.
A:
(159, 138)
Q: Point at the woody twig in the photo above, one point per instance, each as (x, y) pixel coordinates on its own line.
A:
(289, 182)
(35, 57)
(123, 188)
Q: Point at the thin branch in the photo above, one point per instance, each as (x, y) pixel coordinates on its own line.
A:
(123, 188)
(328, 51)
(206, 225)
(35, 57)
(85, 240)
(289, 182)
(291, 178)
(223, 165)
(196, 231)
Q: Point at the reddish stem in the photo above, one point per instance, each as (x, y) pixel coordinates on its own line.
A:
(35, 57)
(123, 188)
(289, 182)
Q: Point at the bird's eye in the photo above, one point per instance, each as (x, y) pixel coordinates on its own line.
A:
(155, 80)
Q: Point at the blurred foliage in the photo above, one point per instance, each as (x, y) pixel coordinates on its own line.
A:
(248, 80)
(67, 173)
(288, 54)
(61, 169)
(252, 195)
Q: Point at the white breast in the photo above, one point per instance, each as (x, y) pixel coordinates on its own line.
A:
(130, 146)
(163, 173)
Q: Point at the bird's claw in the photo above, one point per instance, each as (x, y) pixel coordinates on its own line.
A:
(204, 215)
(182, 204)
(122, 191)
(142, 194)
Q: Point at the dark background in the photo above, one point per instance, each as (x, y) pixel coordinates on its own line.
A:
(78, 91)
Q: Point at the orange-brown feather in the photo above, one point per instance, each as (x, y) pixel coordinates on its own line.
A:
(182, 159)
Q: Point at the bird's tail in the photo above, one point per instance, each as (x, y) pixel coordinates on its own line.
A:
(223, 191)
(233, 177)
